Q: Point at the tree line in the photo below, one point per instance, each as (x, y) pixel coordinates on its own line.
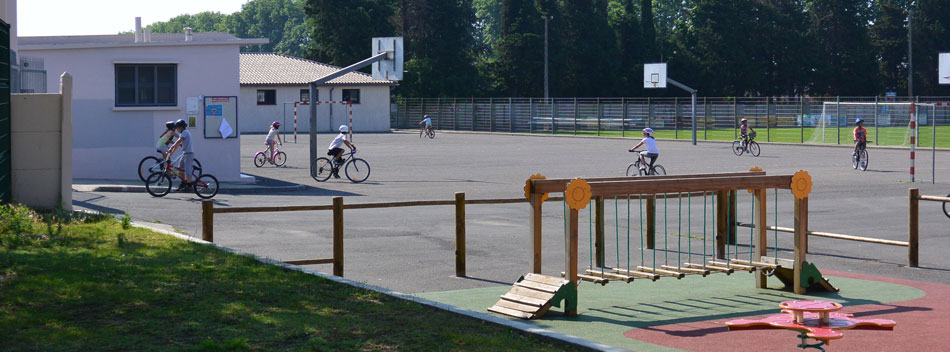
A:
(597, 47)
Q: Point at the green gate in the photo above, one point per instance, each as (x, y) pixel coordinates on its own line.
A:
(6, 186)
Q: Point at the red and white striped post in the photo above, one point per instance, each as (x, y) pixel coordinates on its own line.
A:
(350, 125)
(913, 138)
(295, 122)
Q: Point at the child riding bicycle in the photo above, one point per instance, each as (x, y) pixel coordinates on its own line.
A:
(744, 130)
(336, 150)
(269, 141)
(166, 138)
(428, 122)
(859, 135)
(652, 152)
(188, 154)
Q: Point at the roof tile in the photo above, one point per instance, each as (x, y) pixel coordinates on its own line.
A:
(258, 69)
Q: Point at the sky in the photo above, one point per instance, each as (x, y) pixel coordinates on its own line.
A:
(84, 17)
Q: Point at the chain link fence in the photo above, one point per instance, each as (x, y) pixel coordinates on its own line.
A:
(822, 120)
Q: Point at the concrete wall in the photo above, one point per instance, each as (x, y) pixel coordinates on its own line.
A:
(109, 141)
(41, 145)
(370, 115)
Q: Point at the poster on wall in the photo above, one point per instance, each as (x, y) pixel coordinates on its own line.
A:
(220, 117)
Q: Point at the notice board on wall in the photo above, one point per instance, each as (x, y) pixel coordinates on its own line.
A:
(221, 117)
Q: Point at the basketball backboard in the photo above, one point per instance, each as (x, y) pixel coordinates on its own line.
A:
(943, 69)
(390, 68)
(654, 75)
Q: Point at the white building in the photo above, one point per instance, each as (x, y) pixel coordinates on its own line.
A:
(127, 86)
(271, 83)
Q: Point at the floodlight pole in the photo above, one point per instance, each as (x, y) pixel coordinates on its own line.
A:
(692, 93)
(319, 82)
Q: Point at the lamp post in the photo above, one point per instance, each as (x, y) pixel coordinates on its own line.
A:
(546, 19)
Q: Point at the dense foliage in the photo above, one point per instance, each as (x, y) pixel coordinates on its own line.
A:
(597, 47)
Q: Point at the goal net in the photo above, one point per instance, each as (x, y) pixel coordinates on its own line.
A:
(888, 123)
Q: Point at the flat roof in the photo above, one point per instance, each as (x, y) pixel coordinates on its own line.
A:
(128, 40)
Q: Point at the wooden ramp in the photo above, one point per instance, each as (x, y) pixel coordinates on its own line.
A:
(811, 280)
(534, 294)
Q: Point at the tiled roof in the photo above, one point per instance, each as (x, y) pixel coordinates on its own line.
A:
(156, 38)
(270, 69)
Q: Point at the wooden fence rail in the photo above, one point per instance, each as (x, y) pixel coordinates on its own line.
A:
(208, 210)
(913, 219)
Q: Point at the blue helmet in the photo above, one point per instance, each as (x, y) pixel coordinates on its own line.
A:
(859, 120)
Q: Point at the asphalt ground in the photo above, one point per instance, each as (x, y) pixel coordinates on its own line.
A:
(412, 249)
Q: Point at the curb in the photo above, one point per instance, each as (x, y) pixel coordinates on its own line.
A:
(223, 190)
(517, 325)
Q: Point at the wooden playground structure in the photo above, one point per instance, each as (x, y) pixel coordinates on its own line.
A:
(535, 293)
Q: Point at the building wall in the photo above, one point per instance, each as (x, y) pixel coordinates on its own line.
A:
(370, 115)
(40, 125)
(109, 141)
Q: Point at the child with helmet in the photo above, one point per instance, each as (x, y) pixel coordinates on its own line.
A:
(188, 153)
(652, 152)
(859, 136)
(427, 121)
(272, 136)
(744, 130)
(166, 138)
(336, 150)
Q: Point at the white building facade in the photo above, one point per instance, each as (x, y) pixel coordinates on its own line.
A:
(125, 90)
(272, 83)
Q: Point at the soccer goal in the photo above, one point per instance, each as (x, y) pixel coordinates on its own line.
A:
(887, 123)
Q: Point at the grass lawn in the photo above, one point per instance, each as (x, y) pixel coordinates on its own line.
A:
(885, 136)
(81, 283)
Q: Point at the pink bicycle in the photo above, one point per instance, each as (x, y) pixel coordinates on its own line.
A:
(279, 158)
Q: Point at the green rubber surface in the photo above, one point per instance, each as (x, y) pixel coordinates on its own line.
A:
(606, 312)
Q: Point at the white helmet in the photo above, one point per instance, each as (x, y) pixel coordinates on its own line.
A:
(344, 128)
(648, 131)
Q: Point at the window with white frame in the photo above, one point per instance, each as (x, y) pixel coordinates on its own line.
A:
(266, 97)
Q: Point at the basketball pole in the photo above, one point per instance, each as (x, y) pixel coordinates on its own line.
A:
(692, 93)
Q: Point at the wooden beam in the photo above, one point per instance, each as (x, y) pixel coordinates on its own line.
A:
(534, 236)
(913, 227)
(598, 231)
(721, 235)
(558, 185)
(310, 261)
(801, 226)
(834, 235)
(662, 272)
(762, 242)
(460, 234)
(651, 222)
(207, 220)
(654, 186)
(338, 236)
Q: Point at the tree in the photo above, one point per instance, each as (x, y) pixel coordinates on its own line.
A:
(519, 50)
(201, 22)
(846, 64)
(889, 38)
(650, 52)
(280, 21)
(341, 30)
(930, 30)
(630, 44)
(439, 48)
(590, 66)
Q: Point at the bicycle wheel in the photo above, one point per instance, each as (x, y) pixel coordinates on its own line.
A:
(863, 164)
(634, 169)
(754, 148)
(322, 169)
(357, 170)
(148, 165)
(431, 134)
(855, 158)
(206, 186)
(737, 148)
(259, 159)
(946, 207)
(659, 170)
(158, 184)
(280, 158)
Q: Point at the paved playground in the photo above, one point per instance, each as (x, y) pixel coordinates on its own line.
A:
(412, 249)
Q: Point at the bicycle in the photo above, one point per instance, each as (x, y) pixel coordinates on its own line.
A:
(428, 132)
(859, 159)
(277, 158)
(159, 183)
(357, 170)
(653, 169)
(151, 164)
(752, 147)
(946, 207)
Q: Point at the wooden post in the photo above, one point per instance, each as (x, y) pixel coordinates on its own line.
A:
(651, 222)
(733, 223)
(570, 255)
(913, 227)
(460, 234)
(761, 227)
(598, 231)
(535, 235)
(801, 226)
(207, 220)
(721, 234)
(338, 236)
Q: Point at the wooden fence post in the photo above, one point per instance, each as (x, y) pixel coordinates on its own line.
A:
(460, 234)
(338, 236)
(535, 239)
(761, 231)
(801, 226)
(207, 220)
(651, 222)
(913, 227)
(721, 227)
(733, 222)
